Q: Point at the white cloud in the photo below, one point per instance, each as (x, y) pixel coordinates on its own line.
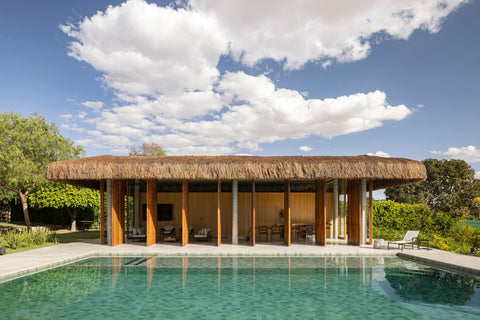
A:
(305, 148)
(257, 112)
(379, 154)
(469, 153)
(161, 64)
(82, 115)
(144, 49)
(301, 31)
(66, 116)
(477, 175)
(94, 105)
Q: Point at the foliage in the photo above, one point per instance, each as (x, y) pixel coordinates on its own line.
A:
(450, 187)
(27, 146)
(72, 198)
(15, 239)
(402, 216)
(148, 149)
(476, 205)
(391, 220)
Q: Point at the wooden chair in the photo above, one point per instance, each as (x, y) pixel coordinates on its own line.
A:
(276, 230)
(263, 230)
(302, 232)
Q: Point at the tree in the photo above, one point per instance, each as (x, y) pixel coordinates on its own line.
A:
(476, 205)
(70, 198)
(27, 146)
(450, 187)
(148, 149)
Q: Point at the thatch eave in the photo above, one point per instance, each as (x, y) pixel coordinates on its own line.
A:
(386, 172)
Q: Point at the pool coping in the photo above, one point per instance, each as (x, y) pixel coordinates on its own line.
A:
(468, 265)
(437, 258)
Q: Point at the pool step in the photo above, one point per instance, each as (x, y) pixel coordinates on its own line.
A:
(135, 262)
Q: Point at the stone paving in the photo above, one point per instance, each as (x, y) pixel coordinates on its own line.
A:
(19, 264)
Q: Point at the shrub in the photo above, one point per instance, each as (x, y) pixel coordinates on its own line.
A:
(15, 239)
(402, 216)
(12, 239)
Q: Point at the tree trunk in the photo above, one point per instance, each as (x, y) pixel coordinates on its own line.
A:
(23, 199)
(73, 218)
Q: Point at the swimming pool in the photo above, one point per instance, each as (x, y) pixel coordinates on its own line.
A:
(241, 288)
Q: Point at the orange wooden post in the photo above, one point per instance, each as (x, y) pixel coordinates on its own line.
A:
(116, 213)
(287, 217)
(321, 212)
(121, 236)
(127, 205)
(354, 213)
(102, 212)
(345, 209)
(253, 212)
(151, 212)
(219, 216)
(184, 212)
(370, 204)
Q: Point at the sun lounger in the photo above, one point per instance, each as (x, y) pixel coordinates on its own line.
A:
(409, 238)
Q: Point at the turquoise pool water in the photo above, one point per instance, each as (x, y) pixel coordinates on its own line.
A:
(241, 288)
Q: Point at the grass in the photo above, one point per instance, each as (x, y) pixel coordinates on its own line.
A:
(60, 236)
(68, 236)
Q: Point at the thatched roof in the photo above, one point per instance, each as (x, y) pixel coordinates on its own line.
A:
(386, 172)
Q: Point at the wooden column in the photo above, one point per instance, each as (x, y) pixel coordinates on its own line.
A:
(184, 212)
(127, 206)
(102, 212)
(121, 236)
(253, 212)
(354, 213)
(345, 209)
(151, 212)
(219, 215)
(117, 213)
(286, 211)
(370, 213)
(321, 212)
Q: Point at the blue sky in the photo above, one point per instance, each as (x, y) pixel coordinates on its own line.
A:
(398, 78)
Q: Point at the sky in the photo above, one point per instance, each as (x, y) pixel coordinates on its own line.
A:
(387, 78)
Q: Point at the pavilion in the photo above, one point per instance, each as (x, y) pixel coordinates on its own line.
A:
(234, 195)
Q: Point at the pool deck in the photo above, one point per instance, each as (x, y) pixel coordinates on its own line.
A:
(23, 263)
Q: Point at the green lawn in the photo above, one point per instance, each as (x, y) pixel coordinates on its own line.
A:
(66, 237)
(61, 236)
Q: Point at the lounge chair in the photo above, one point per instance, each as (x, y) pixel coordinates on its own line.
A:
(139, 234)
(409, 238)
(168, 232)
(204, 234)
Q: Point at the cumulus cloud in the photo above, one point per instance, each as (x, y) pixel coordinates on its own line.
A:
(477, 175)
(305, 148)
(469, 153)
(379, 154)
(94, 105)
(145, 49)
(297, 32)
(161, 65)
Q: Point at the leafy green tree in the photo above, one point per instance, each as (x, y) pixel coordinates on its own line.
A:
(476, 205)
(450, 187)
(148, 149)
(70, 198)
(27, 146)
